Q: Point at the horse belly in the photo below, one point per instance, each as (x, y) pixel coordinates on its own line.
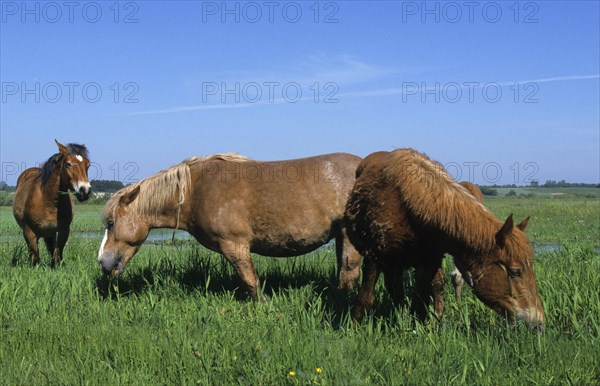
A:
(287, 245)
(292, 237)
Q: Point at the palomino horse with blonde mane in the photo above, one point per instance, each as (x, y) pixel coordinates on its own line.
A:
(406, 211)
(43, 206)
(235, 206)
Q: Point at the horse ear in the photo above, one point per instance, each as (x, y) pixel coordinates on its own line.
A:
(129, 197)
(505, 230)
(523, 224)
(62, 148)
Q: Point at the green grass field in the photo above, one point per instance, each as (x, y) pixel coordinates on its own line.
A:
(175, 317)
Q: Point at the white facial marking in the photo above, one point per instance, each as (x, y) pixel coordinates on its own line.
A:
(101, 250)
(79, 158)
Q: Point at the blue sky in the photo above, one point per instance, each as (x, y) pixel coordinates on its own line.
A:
(497, 92)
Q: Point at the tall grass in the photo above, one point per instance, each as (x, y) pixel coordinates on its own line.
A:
(176, 316)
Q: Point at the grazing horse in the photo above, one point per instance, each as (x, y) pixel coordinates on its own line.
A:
(43, 206)
(406, 211)
(457, 279)
(394, 276)
(236, 206)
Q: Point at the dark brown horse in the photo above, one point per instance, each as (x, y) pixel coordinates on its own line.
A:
(43, 206)
(235, 206)
(406, 211)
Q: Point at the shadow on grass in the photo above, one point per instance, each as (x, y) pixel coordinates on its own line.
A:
(201, 275)
(213, 279)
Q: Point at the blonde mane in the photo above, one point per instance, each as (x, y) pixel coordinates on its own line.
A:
(232, 157)
(159, 190)
(432, 195)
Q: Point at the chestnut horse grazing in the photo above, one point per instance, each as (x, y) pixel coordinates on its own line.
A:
(457, 279)
(406, 211)
(235, 206)
(43, 206)
(394, 275)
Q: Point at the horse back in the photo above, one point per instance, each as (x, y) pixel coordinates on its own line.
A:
(376, 229)
(282, 207)
(329, 173)
(28, 176)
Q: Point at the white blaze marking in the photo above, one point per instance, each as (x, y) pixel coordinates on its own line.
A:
(79, 158)
(101, 251)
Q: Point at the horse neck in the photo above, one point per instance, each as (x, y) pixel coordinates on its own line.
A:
(54, 186)
(479, 236)
(170, 216)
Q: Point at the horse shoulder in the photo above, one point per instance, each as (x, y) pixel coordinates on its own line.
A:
(28, 186)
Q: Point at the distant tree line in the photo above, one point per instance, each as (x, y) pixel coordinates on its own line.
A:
(107, 186)
(98, 186)
(488, 191)
(565, 184)
(4, 187)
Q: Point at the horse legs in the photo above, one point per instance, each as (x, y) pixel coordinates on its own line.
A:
(239, 257)
(32, 244)
(393, 276)
(50, 241)
(61, 240)
(429, 282)
(366, 294)
(348, 262)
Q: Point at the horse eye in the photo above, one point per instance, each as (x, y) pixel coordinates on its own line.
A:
(514, 272)
(68, 164)
(110, 224)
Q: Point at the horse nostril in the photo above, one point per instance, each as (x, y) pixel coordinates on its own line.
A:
(107, 263)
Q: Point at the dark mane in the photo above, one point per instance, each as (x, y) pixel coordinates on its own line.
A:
(77, 149)
(48, 166)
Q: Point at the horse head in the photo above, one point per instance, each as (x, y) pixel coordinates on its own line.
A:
(503, 277)
(74, 163)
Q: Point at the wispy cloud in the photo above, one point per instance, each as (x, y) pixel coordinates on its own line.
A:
(348, 74)
(418, 85)
(554, 79)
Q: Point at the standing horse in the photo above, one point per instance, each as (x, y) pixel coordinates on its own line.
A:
(394, 275)
(235, 206)
(43, 206)
(406, 211)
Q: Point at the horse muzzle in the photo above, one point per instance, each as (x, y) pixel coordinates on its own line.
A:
(110, 264)
(83, 190)
(533, 316)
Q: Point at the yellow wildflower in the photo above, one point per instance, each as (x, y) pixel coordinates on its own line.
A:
(292, 373)
(319, 370)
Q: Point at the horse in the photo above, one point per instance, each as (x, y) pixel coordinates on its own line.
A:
(406, 211)
(456, 276)
(43, 206)
(236, 206)
(394, 279)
